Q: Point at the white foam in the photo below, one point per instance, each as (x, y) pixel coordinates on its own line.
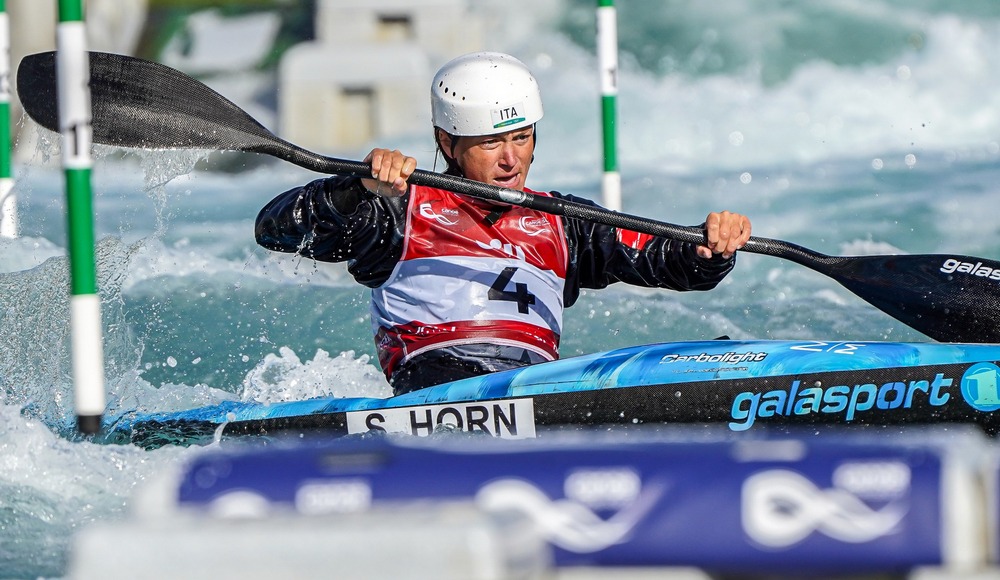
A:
(285, 377)
(944, 96)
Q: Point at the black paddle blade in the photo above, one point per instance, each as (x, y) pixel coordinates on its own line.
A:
(138, 103)
(948, 298)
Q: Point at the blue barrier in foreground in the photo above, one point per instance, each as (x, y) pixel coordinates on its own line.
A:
(832, 502)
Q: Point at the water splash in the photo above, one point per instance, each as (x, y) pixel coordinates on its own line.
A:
(35, 363)
(284, 377)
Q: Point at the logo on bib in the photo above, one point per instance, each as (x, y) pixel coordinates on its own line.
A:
(533, 225)
(427, 211)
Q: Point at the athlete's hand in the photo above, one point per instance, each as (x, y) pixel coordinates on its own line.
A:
(390, 170)
(725, 232)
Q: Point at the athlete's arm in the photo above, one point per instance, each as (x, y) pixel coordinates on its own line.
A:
(601, 255)
(337, 219)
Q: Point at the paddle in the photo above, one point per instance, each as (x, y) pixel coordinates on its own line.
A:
(142, 104)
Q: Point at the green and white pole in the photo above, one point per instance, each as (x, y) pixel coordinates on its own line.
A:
(8, 203)
(73, 78)
(607, 62)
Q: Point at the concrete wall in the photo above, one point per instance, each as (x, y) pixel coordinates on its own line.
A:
(367, 76)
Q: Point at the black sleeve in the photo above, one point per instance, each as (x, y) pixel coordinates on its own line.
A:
(336, 219)
(598, 259)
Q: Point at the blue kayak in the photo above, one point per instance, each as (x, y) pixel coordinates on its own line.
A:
(744, 384)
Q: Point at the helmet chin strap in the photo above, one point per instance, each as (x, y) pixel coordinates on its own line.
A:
(437, 154)
(453, 168)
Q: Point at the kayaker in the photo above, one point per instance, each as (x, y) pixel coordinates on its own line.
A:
(460, 286)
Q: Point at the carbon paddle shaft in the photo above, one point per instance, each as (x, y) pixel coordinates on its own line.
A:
(143, 104)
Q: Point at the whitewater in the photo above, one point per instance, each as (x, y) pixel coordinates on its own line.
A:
(847, 127)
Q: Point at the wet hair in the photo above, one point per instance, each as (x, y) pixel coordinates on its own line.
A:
(449, 156)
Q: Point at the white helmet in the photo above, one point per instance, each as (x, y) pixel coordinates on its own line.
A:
(484, 93)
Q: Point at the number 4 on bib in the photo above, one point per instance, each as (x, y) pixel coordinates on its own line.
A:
(520, 294)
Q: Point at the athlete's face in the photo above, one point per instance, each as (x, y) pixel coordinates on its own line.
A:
(502, 160)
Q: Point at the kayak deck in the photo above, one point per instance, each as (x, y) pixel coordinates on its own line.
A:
(744, 384)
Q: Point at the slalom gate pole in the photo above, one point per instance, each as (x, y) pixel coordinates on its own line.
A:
(607, 60)
(8, 202)
(73, 79)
